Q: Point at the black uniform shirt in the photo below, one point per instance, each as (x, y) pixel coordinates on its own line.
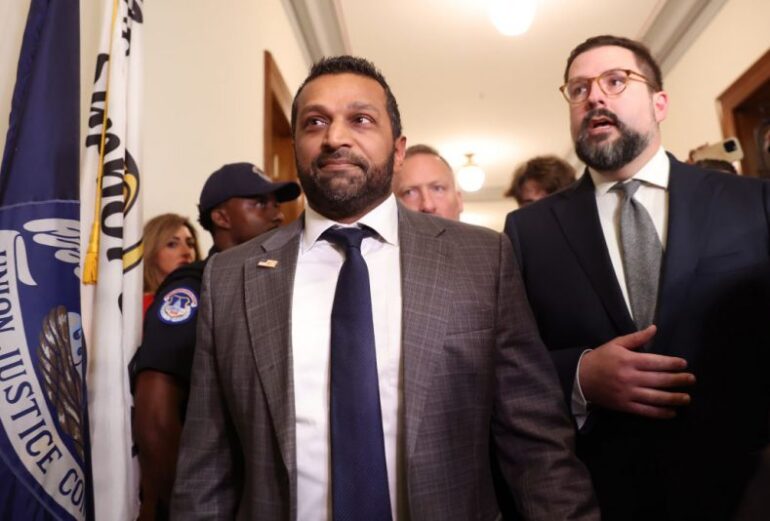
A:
(168, 341)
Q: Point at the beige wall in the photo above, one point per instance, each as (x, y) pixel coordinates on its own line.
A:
(204, 74)
(732, 42)
(203, 82)
(204, 91)
(488, 213)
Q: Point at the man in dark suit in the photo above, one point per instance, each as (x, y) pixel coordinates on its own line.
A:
(282, 426)
(650, 285)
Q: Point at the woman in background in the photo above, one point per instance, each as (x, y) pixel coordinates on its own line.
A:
(170, 241)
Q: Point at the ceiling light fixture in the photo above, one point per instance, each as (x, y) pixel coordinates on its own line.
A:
(512, 17)
(470, 176)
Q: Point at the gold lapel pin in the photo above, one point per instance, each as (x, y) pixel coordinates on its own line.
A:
(269, 263)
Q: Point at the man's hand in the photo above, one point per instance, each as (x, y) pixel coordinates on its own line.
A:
(616, 377)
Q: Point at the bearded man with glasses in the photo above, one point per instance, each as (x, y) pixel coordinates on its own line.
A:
(650, 284)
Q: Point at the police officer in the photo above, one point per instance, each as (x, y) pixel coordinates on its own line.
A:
(237, 203)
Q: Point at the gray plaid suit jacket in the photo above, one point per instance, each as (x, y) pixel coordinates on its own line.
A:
(474, 371)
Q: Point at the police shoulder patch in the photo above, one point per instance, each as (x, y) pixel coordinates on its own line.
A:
(178, 306)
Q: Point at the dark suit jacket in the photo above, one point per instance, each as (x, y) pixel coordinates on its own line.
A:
(472, 365)
(713, 310)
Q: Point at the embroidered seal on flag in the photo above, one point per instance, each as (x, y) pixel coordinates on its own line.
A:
(178, 306)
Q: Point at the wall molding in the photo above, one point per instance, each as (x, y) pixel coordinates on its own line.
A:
(674, 27)
(321, 26)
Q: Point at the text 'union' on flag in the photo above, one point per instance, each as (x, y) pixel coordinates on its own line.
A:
(44, 434)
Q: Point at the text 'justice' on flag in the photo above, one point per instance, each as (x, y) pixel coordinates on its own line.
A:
(111, 233)
(44, 433)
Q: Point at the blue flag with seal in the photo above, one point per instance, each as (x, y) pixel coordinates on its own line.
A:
(44, 437)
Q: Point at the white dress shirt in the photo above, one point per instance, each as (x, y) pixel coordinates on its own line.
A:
(318, 267)
(653, 195)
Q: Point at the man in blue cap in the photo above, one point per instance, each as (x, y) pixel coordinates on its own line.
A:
(237, 203)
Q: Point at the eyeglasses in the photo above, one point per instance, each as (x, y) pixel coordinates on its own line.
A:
(611, 82)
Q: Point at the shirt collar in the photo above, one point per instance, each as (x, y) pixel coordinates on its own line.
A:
(655, 172)
(383, 219)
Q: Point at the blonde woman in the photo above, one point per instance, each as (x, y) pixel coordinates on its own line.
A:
(170, 241)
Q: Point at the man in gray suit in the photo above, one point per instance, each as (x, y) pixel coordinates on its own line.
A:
(455, 358)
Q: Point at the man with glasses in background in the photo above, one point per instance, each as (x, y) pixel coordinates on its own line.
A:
(650, 284)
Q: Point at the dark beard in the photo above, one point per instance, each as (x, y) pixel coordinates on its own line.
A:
(353, 199)
(605, 155)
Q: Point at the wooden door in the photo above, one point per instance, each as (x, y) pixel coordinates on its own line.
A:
(279, 153)
(745, 113)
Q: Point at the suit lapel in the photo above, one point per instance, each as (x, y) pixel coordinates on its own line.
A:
(424, 261)
(579, 220)
(690, 200)
(269, 280)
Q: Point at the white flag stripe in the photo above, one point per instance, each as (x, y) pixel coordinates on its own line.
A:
(112, 307)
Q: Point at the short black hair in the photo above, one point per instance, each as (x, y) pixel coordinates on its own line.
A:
(644, 59)
(204, 218)
(351, 65)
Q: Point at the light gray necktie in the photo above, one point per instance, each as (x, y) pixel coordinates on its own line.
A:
(641, 251)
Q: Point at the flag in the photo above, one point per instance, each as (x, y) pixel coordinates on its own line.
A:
(111, 231)
(44, 449)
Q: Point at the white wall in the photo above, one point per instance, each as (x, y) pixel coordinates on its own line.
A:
(737, 37)
(488, 213)
(204, 85)
(204, 92)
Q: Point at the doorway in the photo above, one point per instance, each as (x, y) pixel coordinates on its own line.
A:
(279, 154)
(745, 108)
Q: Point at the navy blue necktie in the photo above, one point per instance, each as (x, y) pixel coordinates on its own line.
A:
(359, 474)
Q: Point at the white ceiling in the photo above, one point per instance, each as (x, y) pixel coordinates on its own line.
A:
(463, 87)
